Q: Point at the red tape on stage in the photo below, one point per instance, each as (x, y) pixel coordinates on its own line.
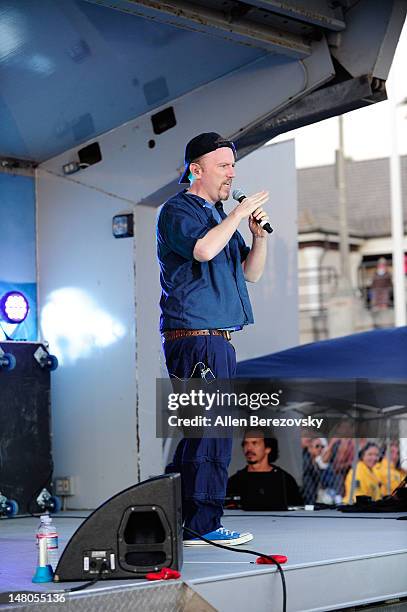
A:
(265, 561)
(165, 574)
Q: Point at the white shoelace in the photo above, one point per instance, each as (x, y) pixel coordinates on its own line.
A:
(226, 532)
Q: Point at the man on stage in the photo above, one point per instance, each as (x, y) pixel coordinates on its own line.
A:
(204, 265)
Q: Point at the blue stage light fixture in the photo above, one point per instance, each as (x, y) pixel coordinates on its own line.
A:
(14, 307)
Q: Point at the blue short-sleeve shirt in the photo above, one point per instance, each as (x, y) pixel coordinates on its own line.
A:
(199, 295)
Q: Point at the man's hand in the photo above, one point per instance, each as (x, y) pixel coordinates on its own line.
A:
(255, 227)
(251, 205)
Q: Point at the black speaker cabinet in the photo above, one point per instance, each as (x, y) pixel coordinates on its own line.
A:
(25, 427)
(137, 531)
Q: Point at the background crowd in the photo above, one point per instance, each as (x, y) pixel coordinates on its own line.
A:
(328, 469)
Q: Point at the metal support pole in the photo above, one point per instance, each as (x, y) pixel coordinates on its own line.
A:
(343, 211)
(388, 456)
(342, 306)
(354, 467)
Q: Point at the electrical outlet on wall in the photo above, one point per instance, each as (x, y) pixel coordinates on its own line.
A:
(63, 486)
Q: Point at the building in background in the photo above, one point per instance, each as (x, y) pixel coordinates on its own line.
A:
(368, 198)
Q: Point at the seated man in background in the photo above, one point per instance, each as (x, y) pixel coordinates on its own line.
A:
(261, 485)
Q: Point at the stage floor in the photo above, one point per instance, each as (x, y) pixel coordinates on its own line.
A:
(335, 561)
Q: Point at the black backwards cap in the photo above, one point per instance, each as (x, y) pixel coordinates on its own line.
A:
(200, 145)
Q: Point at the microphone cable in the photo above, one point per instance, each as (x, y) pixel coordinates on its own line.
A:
(248, 552)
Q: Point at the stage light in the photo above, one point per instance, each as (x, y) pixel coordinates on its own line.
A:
(123, 226)
(14, 307)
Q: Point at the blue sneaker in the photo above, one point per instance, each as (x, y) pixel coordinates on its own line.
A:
(221, 536)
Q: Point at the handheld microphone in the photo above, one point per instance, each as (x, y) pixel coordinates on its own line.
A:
(239, 196)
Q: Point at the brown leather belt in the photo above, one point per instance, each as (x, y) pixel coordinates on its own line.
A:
(174, 334)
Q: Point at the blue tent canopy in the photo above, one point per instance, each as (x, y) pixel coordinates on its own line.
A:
(374, 355)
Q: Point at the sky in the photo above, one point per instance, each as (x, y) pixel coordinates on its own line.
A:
(366, 130)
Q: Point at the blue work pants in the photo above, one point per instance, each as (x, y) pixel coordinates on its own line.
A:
(203, 463)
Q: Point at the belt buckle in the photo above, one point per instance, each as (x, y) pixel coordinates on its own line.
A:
(228, 335)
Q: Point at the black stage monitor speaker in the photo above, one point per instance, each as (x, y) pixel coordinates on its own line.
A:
(137, 531)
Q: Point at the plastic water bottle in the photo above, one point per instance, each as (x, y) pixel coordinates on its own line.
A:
(46, 530)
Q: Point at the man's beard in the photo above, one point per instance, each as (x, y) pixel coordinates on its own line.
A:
(226, 188)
